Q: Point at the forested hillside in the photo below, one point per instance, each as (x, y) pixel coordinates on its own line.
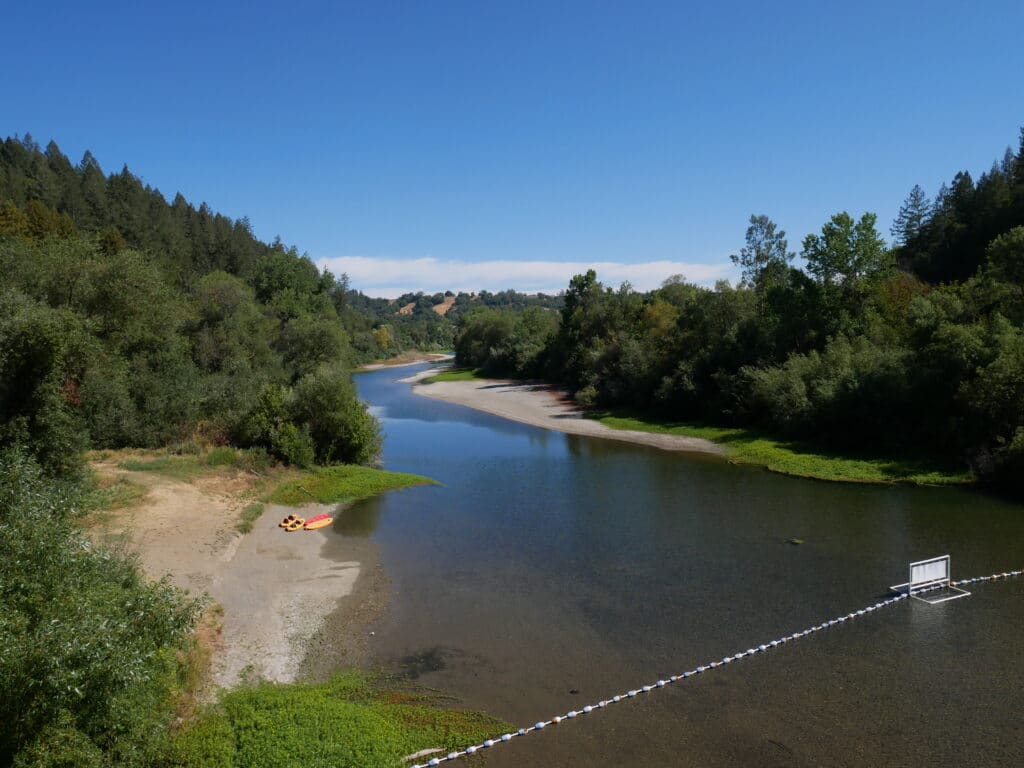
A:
(126, 320)
(914, 349)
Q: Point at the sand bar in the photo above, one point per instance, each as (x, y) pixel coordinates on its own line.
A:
(403, 361)
(548, 407)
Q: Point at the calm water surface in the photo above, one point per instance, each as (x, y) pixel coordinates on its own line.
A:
(551, 571)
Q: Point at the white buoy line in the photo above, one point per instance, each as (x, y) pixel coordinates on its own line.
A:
(604, 703)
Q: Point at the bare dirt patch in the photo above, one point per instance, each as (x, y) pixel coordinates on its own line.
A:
(444, 306)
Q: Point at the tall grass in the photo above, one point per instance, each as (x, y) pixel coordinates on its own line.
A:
(187, 466)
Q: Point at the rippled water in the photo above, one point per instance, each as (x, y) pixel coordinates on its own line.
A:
(550, 571)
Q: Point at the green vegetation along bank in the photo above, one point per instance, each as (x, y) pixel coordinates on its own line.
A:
(787, 457)
(348, 722)
(914, 349)
(457, 374)
(338, 484)
(100, 667)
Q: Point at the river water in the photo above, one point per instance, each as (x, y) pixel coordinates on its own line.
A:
(550, 571)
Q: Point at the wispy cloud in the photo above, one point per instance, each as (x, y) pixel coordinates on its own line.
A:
(389, 277)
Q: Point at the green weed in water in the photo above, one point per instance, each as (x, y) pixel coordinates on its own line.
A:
(345, 723)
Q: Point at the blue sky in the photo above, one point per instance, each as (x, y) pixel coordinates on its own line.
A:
(466, 145)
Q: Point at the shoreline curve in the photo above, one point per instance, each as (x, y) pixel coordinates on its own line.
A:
(548, 407)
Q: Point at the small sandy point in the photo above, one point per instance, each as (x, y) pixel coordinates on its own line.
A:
(545, 406)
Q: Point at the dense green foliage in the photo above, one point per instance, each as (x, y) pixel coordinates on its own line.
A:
(128, 321)
(196, 253)
(88, 648)
(916, 351)
(345, 723)
(503, 343)
(946, 240)
(381, 328)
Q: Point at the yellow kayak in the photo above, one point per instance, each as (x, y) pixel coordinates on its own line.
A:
(319, 523)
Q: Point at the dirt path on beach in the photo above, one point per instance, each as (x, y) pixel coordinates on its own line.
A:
(545, 406)
(275, 589)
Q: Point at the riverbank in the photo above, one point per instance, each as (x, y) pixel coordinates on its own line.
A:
(548, 407)
(287, 631)
(274, 591)
(405, 359)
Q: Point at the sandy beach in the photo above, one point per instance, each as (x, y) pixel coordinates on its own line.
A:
(405, 360)
(545, 406)
(277, 591)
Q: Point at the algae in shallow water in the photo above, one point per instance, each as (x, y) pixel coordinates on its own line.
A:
(348, 722)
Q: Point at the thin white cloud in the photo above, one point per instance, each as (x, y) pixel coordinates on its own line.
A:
(389, 277)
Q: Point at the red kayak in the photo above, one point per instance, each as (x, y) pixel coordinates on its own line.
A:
(314, 518)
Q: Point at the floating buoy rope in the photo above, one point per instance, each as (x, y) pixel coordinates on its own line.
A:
(597, 706)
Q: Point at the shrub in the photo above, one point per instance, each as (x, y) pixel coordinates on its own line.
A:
(268, 426)
(87, 645)
(341, 428)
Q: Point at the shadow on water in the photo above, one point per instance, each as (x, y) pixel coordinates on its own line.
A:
(360, 519)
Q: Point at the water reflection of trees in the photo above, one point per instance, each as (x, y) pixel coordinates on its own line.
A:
(360, 519)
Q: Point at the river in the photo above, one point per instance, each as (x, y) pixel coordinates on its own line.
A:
(550, 571)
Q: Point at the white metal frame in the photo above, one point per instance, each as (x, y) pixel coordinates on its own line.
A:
(927, 576)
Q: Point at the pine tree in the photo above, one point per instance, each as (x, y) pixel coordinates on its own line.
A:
(1018, 174)
(913, 214)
